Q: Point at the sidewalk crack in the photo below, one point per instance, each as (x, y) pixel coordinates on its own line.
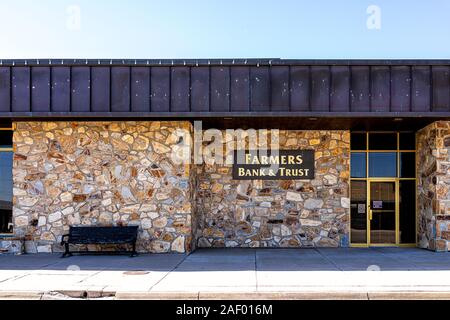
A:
(91, 275)
(328, 259)
(173, 269)
(15, 277)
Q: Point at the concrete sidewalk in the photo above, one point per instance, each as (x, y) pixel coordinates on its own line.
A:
(386, 273)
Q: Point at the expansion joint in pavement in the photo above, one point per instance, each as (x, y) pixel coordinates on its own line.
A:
(171, 270)
(328, 259)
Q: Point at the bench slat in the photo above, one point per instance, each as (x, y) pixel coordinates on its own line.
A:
(102, 235)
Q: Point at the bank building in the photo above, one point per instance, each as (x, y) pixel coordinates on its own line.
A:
(89, 142)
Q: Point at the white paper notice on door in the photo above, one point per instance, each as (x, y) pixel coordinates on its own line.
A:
(377, 204)
(361, 208)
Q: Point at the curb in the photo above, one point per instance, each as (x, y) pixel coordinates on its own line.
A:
(21, 295)
(313, 295)
(409, 295)
(157, 296)
(283, 296)
(56, 295)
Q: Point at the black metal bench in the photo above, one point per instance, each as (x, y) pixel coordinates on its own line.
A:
(100, 235)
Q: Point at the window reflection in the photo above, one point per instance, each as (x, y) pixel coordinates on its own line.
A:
(382, 164)
(358, 221)
(358, 165)
(6, 188)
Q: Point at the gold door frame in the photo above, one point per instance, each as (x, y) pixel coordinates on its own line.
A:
(369, 212)
(397, 180)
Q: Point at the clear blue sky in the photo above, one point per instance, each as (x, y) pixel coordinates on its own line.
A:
(316, 29)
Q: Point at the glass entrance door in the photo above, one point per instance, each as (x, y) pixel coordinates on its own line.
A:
(383, 189)
(383, 212)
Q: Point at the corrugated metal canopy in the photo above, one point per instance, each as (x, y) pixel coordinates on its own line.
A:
(221, 88)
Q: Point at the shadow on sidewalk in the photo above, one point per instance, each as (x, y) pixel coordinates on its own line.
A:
(341, 259)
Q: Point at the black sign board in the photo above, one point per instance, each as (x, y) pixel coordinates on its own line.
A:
(273, 165)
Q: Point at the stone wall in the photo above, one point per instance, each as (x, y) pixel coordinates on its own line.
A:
(101, 173)
(433, 174)
(121, 173)
(11, 246)
(282, 213)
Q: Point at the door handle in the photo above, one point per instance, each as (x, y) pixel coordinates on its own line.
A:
(370, 214)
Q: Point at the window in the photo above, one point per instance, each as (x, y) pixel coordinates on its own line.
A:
(407, 203)
(6, 181)
(407, 165)
(382, 164)
(382, 141)
(358, 141)
(358, 164)
(407, 141)
(383, 155)
(358, 216)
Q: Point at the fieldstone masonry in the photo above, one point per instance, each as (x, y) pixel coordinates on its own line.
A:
(101, 173)
(113, 173)
(279, 213)
(11, 246)
(119, 173)
(433, 175)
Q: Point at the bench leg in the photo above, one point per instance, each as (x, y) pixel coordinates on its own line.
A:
(133, 252)
(66, 252)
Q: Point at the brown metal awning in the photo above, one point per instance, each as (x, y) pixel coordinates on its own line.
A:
(339, 93)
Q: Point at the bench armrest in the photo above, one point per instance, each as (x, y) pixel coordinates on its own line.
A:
(62, 238)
